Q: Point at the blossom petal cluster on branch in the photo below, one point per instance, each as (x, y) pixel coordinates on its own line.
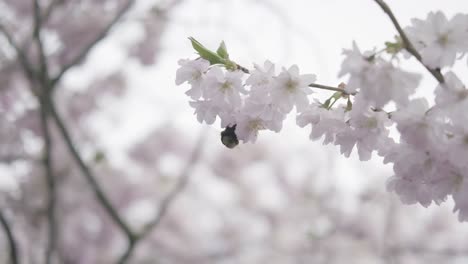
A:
(428, 155)
(258, 102)
(438, 39)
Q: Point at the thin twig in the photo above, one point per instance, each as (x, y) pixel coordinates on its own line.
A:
(25, 63)
(84, 53)
(14, 259)
(168, 200)
(314, 85)
(49, 10)
(407, 43)
(182, 182)
(105, 202)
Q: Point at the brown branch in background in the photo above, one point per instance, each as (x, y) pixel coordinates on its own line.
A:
(37, 26)
(11, 239)
(168, 200)
(43, 98)
(41, 78)
(102, 198)
(50, 107)
(47, 161)
(407, 43)
(182, 182)
(50, 9)
(84, 53)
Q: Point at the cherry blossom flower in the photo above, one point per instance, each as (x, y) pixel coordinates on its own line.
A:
(439, 39)
(415, 127)
(358, 66)
(261, 80)
(247, 128)
(291, 89)
(451, 92)
(420, 177)
(367, 132)
(456, 145)
(224, 88)
(192, 71)
(378, 81)
(270, 113)
(324, 122)
(205, 110)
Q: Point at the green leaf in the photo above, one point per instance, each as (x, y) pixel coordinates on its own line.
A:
(206, 54)
(222, 51)
(394, 47)
(327, 103)
(337, 95)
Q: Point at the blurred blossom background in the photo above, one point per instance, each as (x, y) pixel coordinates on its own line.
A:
(103, 161)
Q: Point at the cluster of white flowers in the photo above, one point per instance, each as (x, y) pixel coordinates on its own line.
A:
(438, 39)
(430, 154)
(257, 102)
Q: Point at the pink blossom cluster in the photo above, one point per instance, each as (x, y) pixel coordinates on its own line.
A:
(430, 147)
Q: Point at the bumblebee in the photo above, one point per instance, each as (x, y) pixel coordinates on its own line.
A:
(229, 137)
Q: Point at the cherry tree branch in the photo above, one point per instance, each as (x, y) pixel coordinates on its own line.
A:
(11, 239)
(89, 175)
(84, 53)
(407, 43)
(168, 200)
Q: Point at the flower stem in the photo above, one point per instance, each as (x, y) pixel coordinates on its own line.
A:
(330, 88)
